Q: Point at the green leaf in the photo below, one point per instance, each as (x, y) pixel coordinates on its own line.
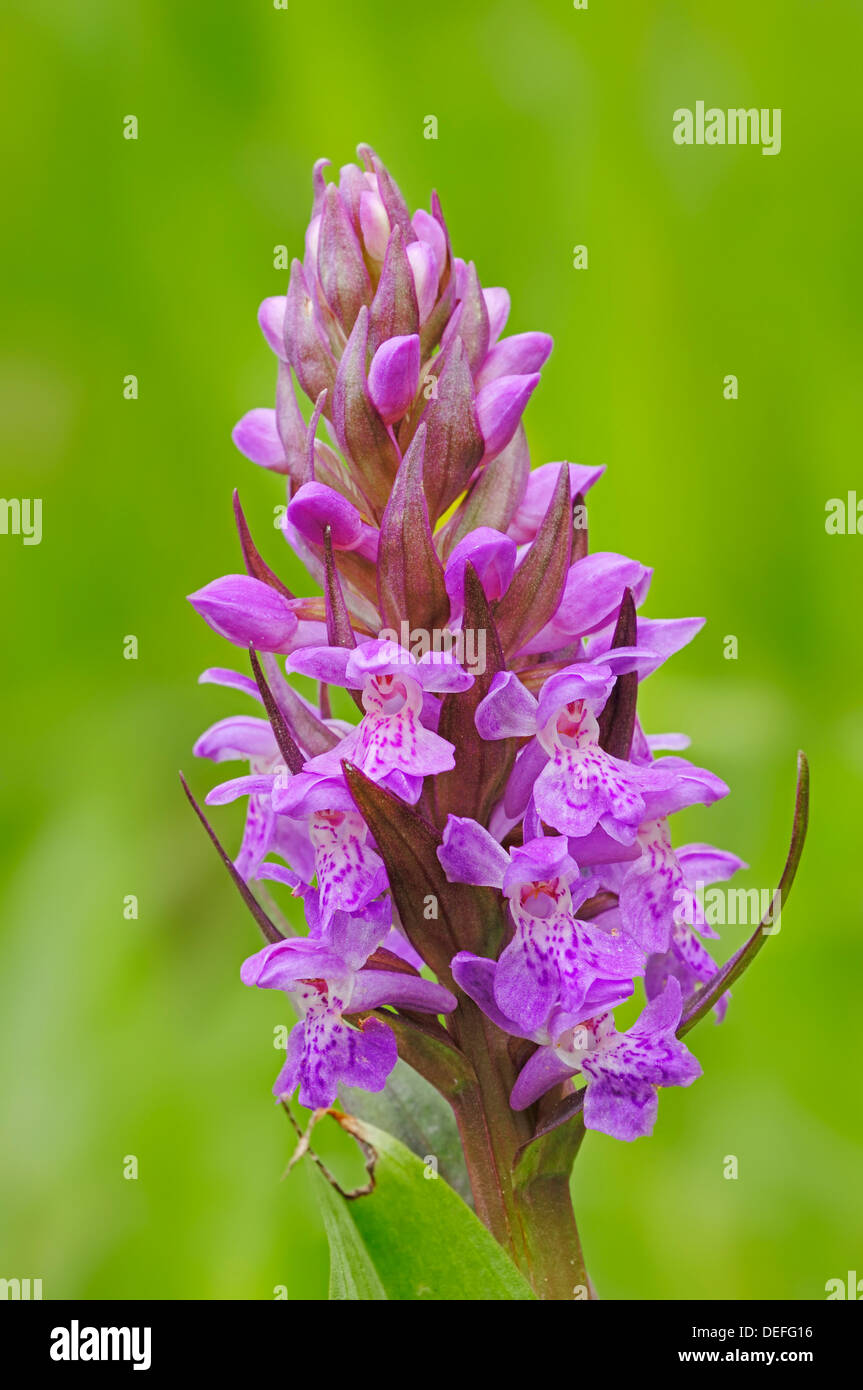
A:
(353, 1277)
(412, 1237)
(412, 1110)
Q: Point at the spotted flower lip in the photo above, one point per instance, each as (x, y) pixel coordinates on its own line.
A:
(325, 975)
(553, 958)
(658, 905)
(576, 785)
(392, 743)
(349, 871)
(656, 890)
(623, 1071)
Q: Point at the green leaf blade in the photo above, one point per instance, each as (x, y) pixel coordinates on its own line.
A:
(412, 1236)
(353, 1277)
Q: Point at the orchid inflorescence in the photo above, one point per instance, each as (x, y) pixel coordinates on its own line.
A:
(495, 816)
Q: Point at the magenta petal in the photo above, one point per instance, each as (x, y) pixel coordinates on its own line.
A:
(281, 965)
(375, 987)
(374, 224)
(231, 680)
(256, 436)
(541, 1071)
(703, 864)
(684, 785)
(475, 975)
(662, 636)
(508, 710)
(423, 263)
(469, 854)
(598, 847)
(314, 506)
(499, 407)
(440, 671)
(528, 765)
(239, 736)
(255, 784)
(354, 937)
(498, 304)
(305, 792)
(545, 857)
(394, 376)
(323, 663)
(429, 230)
(245, 610)
(492, 555)
(517, 355)
(278, 873)
(271, 317)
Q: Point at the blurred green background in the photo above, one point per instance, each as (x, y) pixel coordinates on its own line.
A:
(122, 1037)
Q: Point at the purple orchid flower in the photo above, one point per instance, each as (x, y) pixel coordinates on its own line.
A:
(686, 958)
(245, 738)
(391, 744)
(348, 870)
(576, 784)
(623, 1071)
(328, 978)
(655, 891)
(553, 958)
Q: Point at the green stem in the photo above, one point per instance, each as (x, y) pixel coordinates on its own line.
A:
(520, 1185)
(541, 1184)
(491, 1131)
